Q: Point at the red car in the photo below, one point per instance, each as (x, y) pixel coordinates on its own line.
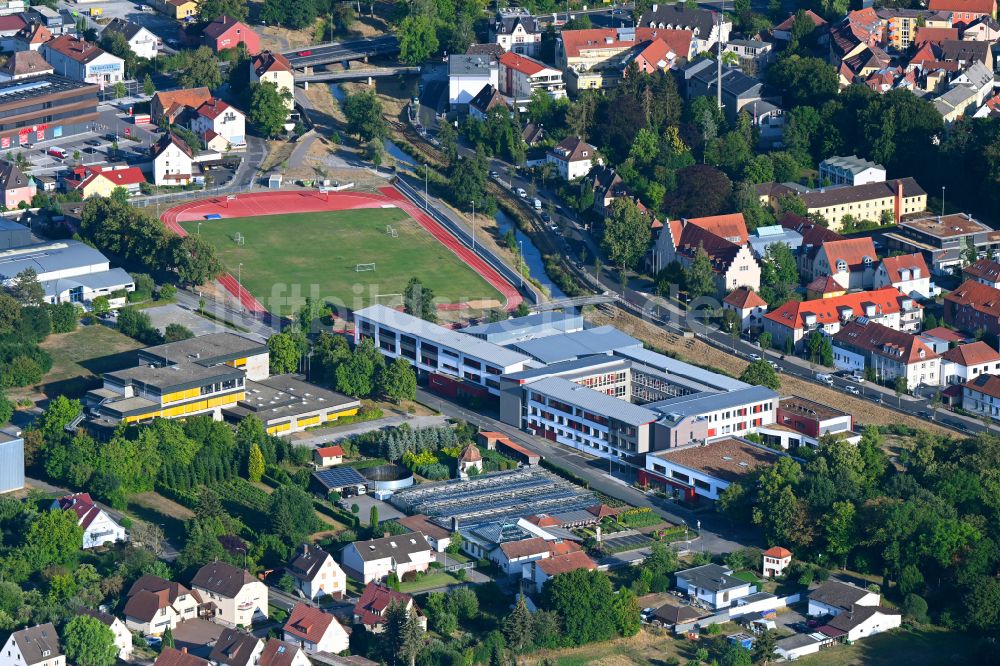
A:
(305, 53)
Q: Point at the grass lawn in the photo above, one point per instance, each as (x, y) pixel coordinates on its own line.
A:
(157, 509)
(926, 647)
(79, 358)
(428, 582)
(748, 576)
(307, 251)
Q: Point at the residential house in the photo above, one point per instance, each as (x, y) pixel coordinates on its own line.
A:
(173, 657)
(236, 648)
(783, 31)
(328, 456)
(851, 170)
(8, 7)
(100, 181)
(468, 74)
(33, 646)
(973, 306)
(775, 561)
(10, 27)
(813, 237)
(904, 27)
(953, 103)
(315, 631)
(168, 106)
(724, 238)
(705, 470)
(835, 597)
(520, 76)
(965, 362)
(572, 158)
(944, 240)
(908, 273)
(942, 339)
(748, 306)
(486, 100)
(470, 461)
(227, 33)
(795, 319)
(141, 41)
(891, 353)
(30, 37)
(123, 637)
(236, 596)
(934, 35)
(713, 585)
(99, 528)
(897, 198)
(607, 186)
(799, 645)
(824, 286)
(24, 65)
(511, 556)
(217, 118)
(802, 422)
(79, 60)
(860, 622)
(375, 559)
(272, 67)
(375, 600)
(739, 90)
(438, 537)
(762, 238)
(15, 187)
(670, 615)
(707, 27)
(985, 271)
(856, 33)
(155, 605)
(985, 29)
(517, 31)
(964, 12)
(179, 10)
(173, 161)
(532, 134)
(754, 55)
(597, 57)
(850, 262)
(981, 396)
(316, 573)
(280, 653)
(539, 571)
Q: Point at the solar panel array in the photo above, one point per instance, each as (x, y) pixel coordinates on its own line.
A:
(338, 477)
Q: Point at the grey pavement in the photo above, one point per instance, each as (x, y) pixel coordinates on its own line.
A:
(365, 503)
(163, 315)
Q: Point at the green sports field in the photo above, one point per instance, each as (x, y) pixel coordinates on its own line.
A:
(288, 257)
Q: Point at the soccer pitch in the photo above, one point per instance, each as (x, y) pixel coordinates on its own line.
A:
(284, 253)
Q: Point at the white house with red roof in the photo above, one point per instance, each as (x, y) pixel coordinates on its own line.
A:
(775, 561)
(984, 271)
(101, 181)
(572, 157)
(747, 305)
(272, 67)
(470, 461)
(315, 631)
(373, 603)
(908, 273)
(80, 60)
(173, 161)
(98, 527)
(965, 362)
(328, 456)
(942, 339)
(783, 31)
(540, 571)
(964, 12)
(861, 344)
(521, 76)
(723, 237)
(796, 319)
(851, 262)
(217, 118)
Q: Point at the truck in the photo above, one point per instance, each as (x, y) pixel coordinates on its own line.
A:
(96, 11)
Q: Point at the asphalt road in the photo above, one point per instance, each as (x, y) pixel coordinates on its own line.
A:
(340, 51)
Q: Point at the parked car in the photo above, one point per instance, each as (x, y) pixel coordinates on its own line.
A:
(754, 357)
(56, 151)
(647, 614)
(537, 204)
(494, 174)
(825, 378)
(545, 217)
(853, 390)
(521, 193)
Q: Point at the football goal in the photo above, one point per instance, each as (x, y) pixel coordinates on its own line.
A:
(362, 268)
(391, 231)
(239, 238)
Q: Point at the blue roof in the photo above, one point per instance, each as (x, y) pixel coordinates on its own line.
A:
(568, 346)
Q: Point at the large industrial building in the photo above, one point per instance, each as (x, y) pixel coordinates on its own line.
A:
(44, 107)
(68, 270)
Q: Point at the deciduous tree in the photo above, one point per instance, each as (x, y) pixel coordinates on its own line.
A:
(89, 642)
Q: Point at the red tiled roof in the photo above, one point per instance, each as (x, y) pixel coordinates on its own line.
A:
(981, 297)
(79, 50)
(308, 623)
(544, 520)
(984, 383)
(732, 226)
(213, 108)
(471, 454)
(912, 262)
(11, 23)
(524, 64)
(120, 177)
(852, 251)
(973, 6)
(827, 310)
(330, 451)
(267, 61)
(824, 284)
(872, 337)
(561, 564)
(222, 25)
(83, 506)
(536, 546)
(790, 21)
(173, 657)
(946, 334)
(986, 269)
(777, 552)
(278, 653)
(374, 600)
(974, 353)
(935, 35)
(607, 38)
(744, 298)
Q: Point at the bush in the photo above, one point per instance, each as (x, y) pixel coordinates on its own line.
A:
(64, 317)
(916, 608)
(168, 292)
(434, 472)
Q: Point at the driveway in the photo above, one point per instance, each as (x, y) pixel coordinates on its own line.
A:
(365, 504)
(172, 313)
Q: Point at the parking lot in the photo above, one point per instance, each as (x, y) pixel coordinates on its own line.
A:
(162, 26)
(627, 542)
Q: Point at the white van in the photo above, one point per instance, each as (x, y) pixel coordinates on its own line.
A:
(538, 204)
(521, 193)
(826, 379)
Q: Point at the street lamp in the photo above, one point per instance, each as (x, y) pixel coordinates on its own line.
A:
(520, 268)
(473, 225)
(239, 281)
(199, 229)
(426, 169)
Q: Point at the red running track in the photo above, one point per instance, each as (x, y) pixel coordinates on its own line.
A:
(276, 203)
